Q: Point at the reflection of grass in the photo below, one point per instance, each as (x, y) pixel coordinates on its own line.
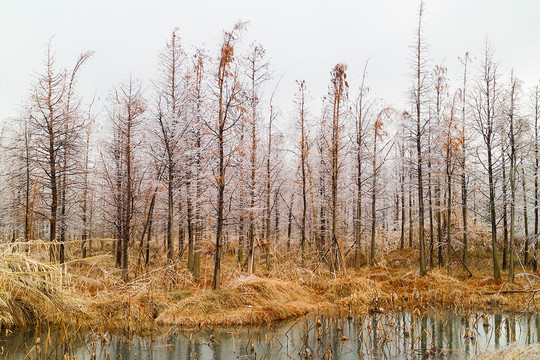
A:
(163, 294)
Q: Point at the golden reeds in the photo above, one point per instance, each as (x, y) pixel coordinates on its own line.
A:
(512, 352)
(33, 292)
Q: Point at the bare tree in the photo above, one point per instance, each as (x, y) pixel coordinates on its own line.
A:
(228, 94)
(197, 98)
(463, 158)
(362, 108)
(53, 123)
(536, 114)
(304, 153)
(257, 74)
(485, 102)
(85, 206)
(513, 134)
(440, 84)
(338, 95)
(170, 98)
(418, 91)
(378, 134)
(126, 108)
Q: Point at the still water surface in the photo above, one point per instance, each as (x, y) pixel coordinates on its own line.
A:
(378, 336)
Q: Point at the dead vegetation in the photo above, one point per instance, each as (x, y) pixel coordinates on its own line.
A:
(32, 292)
(512, 352)
(93, 292)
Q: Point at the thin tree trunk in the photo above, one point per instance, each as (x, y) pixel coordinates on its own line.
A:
(410, 211)
(504, 209)
(54, 185)
(268, 191)
(418, 139)
(339, 91)
(525, 218)
(220, 205)
(374, 198)
(496, 269)
(128, 198)
(463, 164)
(276, 223)
(289, 222)
(303, 160)
(449, 191)
(536, 168)
(63, 189)
(402, 235)
(85, 199)
(430, 200)
(359, 144)
(27, 206)
(513, 173)
(149, 232)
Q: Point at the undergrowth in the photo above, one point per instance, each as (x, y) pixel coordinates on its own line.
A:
(93, 292)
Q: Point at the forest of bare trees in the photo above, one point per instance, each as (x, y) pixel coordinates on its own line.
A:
(200, 162)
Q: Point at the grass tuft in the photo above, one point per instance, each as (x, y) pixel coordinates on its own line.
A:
(32, 292)
(512, 352)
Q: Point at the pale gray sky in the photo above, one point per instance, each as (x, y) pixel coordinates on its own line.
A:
(304, 39)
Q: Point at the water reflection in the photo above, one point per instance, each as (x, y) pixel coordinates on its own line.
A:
(377, 336)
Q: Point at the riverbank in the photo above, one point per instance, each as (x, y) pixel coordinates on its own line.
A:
(91, 292)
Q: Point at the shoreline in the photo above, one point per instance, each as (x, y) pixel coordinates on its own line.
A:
(90, 293)
(254, 300)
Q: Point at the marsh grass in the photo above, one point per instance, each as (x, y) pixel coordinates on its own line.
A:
(512, 352)
(32, 291)
(92, 292)
(324, 334)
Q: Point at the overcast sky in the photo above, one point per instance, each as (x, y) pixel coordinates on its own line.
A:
(303, 39)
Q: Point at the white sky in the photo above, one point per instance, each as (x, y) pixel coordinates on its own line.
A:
(303, 39)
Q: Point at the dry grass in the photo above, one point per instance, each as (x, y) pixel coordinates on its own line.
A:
(512, 352)
(33, 291)
(245, 300)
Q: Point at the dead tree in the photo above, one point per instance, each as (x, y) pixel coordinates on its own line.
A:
(463, 159)
(257, 74)
(418, 91)
(485, 104)
(228, 93)
(536, 112)
(126, 108)
(338, 95)
(304, 153)
(170, 98)
(362, 108)
(52, 123)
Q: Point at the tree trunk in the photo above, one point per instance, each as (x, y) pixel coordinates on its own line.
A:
(525, 218)
(303, 160)
(536, 167)
(513, 174)
(463, 164)
(402, 196)
(373, 199)
(410, 210)
(418, 140)
(504, 209)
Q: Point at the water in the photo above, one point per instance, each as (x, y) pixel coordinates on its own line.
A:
(378, 336)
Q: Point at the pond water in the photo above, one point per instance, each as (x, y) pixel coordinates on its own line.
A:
(377, 336)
